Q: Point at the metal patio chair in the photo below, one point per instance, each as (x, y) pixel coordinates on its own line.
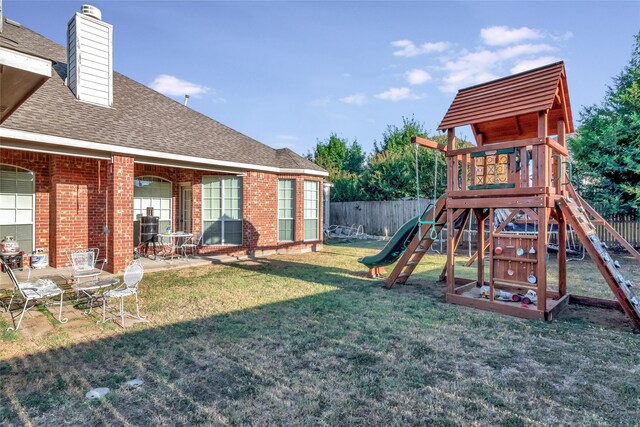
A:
(40, 291)
(84, 261)
(191, 245)
(131, 279)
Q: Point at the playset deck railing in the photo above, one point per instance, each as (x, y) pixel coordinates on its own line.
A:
(515, 168)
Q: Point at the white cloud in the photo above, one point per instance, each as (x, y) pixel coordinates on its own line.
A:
(417, 76)
(484, 65)
(397, 94)
(409, 49)
(503, 35)
(355, 99)
(529, 64)
(219, 100)
(523, 49)
(173, 86)
(563, 37)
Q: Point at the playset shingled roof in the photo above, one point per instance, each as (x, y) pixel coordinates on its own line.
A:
(507, 109)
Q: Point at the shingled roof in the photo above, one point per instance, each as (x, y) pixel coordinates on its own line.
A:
(507, 108)
(140, 117)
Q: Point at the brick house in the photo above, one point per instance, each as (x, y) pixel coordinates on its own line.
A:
(85, 150)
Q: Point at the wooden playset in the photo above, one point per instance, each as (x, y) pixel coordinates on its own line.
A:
(520, 167)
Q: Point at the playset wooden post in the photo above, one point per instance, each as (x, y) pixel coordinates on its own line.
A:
(518, 168)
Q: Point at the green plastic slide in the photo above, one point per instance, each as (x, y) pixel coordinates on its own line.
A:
(397, 245)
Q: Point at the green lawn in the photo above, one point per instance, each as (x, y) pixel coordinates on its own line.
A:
(308, 340)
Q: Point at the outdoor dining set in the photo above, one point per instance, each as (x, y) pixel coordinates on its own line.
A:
(88, 288)
(86, 285)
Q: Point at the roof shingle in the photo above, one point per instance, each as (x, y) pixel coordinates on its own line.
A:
(139, 118)
(517, 95)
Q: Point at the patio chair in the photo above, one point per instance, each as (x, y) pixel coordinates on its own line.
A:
(191, 245)
(131, 279)
(84, 261)
(40, 291)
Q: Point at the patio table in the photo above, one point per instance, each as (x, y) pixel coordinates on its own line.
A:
(174, 243)
(94, 289)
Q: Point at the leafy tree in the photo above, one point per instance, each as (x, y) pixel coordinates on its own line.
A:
(347, 187)
(344, 161)
(391, 174)
(394, 138)
(606, 149)
(335, 154)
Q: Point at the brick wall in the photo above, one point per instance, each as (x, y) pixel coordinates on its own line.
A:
(120, 213)
(259, 205)
(38, 163)
(78, 194)
(77, 197)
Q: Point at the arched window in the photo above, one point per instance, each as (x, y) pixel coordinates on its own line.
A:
(154, 192)
(17, 205)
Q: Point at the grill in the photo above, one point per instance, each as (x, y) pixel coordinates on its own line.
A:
(148, 235)
(149, 229)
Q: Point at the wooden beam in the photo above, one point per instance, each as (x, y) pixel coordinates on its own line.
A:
(541, 266)
(543, 153)
(500, 192)
(565, 107)
(481, 246)
(595, 302)
(452, 170)
(562, 133)
(428, 143)
(562, 253)
(495, 306)
(557, 147)
(479, 136)
(495, 146)
(451, 255)
(465, 166)
(505, 202)
(491, 272)
(457, 239)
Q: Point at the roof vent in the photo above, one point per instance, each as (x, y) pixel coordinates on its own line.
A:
(91, 11)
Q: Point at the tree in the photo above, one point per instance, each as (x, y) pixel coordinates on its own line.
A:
(345, 162)
(391, 174)
(606, 149)
(335, 154)
(394, 138)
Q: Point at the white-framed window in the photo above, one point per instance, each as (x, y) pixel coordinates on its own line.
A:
(311, 210)
(286, 210)
(221, 210)
(152, 192)
(17, 205)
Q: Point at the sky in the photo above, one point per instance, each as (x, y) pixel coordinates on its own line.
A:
(290, 73)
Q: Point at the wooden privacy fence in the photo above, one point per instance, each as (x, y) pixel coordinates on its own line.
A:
(378, 218)
(627, 225)
(385, 218)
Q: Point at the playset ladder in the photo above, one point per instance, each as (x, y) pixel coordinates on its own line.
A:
(623, 289)
(419, 245)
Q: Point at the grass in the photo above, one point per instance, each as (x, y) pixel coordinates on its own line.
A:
(308, 340)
